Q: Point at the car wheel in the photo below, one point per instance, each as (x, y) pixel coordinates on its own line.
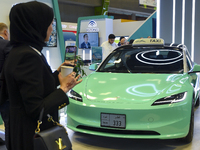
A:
(189, 136)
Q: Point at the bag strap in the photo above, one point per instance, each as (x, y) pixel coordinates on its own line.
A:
(37, 130)
(50, 119)
(41, 115)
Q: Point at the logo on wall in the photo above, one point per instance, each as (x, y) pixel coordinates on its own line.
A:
(91, 26)
(92, 23)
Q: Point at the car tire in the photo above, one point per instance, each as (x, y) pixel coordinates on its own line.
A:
(189, 136)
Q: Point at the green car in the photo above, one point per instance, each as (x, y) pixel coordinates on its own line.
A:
(145, 90)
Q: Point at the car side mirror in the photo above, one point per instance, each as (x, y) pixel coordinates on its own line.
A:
(196, 69)
(93, 67)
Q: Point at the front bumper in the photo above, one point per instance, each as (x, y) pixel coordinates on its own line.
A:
(153, 122)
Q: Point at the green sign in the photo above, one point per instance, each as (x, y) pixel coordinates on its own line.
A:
(105, 7)
(102, 10)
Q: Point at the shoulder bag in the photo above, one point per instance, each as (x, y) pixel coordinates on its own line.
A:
(55, 138)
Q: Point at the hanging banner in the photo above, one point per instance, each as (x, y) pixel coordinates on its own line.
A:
(105, 7)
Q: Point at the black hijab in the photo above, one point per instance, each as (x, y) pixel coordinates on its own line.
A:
(29, 23)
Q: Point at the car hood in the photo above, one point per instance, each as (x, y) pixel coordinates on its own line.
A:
(120, 87)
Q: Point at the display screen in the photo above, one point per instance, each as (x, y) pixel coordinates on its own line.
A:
(53, 37)
(88, 39)
(70, 55)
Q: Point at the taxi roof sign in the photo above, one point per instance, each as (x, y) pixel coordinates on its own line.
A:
(148, 41)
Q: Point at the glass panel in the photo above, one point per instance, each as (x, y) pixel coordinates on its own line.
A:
(145, 60)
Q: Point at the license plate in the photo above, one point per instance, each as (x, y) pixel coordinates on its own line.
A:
(113, 120)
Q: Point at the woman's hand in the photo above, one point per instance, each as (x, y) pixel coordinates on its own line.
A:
(67, 63)
(68, 82)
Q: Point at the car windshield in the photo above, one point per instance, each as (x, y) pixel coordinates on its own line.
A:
(144, 60)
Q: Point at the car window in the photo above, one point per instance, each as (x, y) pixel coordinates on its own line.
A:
(115, 64)
(144, 60)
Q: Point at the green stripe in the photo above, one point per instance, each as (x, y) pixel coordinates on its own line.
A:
(59, 29)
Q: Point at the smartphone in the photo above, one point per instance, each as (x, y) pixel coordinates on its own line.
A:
(70, 55)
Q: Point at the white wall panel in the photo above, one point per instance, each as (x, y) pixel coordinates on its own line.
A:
(166, 16)
(188, 24)
(178, 21)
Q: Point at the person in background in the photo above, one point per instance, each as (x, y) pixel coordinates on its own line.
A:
(108, 46)
(4, 43)
(122, 41)
(4, 51)
(149, 36)
(85, 44)
(30, 82)
(131, 41)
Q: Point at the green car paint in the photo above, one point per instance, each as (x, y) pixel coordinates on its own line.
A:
(140, 97)
(140, 115)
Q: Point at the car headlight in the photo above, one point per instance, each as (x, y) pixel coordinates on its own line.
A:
(171, 99)
(74, 95)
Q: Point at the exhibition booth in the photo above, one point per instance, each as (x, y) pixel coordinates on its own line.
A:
(98, 28)
(69, 33)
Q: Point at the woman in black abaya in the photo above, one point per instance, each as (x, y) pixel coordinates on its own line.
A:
(30, 82)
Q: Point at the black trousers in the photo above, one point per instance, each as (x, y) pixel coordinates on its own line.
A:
(4, 111)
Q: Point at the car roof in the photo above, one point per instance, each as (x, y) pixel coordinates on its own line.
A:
(147, 46)
(152, 43)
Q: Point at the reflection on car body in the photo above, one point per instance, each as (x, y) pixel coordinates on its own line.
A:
(144, 90)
